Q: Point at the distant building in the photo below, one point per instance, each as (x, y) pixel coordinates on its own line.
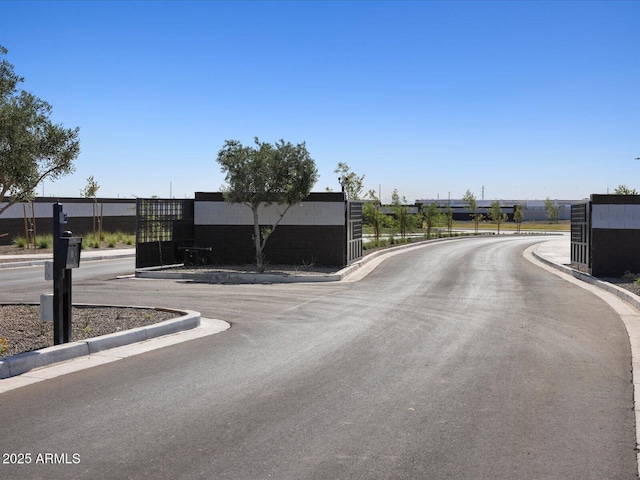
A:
(532, 209)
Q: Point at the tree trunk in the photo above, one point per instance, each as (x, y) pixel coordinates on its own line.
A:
(257, 239)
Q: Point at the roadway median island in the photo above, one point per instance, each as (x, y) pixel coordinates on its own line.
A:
(246, 274)
(27, 343)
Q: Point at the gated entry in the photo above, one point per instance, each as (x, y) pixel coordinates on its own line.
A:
(580, 235)
(323, 227)
(354, 232)
(163, 229)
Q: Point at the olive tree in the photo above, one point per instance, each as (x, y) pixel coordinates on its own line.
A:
(496, 215)
(624, 190)
(518, 216)
(353, 184)
(472, 204)
(32, 147)
(432, 216)
(402, 212)
(265, 174)
(552, 210)
(372, 215)
(449, 217)
(91, 191)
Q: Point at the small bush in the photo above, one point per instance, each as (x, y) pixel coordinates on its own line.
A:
(383, 242)
(20, 242)
(44, 241)
(90, 241)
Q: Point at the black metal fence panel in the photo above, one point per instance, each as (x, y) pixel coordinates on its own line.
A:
(580, 235)
(164, 228)
(354, 232)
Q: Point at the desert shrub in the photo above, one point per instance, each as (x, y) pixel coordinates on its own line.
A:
(44, 241)
(20, 242)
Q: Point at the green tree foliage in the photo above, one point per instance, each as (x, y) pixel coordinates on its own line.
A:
(496, 215)
(353, 184)
(518, 216)
(552, 210)
(91, 189)
(265, 174)
(432, 217)
(472, 204)
(372, 215)
(402, 212)
(32, 148)
(624, 190)
(449, 217)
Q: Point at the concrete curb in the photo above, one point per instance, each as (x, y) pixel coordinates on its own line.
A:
(233, 277)
(244, 278)
(346, 271)
(623, 294)
(630, 319)
(24, 362)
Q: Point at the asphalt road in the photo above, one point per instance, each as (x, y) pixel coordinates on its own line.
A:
(454, 361)
(14, 280)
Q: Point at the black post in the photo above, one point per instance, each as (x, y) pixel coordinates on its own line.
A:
(61, 281)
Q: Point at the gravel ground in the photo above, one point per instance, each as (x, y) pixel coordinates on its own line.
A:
(626, 283)
(23, 331)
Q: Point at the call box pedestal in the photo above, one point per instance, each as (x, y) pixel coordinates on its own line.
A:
(66, 256)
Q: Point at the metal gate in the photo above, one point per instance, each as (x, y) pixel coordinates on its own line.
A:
(354, 231)
(580, 235)
(164, 228)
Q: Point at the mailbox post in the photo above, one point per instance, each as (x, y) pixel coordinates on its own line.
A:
(66, 255)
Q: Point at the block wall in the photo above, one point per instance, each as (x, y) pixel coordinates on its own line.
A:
(118, 215)
(615, 235)
(311, 232)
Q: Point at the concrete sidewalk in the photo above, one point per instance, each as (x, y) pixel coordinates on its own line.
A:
(31, 259)
(557, 251)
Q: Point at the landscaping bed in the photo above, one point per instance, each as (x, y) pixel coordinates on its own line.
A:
(22, 331)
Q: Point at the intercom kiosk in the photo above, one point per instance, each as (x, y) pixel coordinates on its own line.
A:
(69, 251)
(66, 256)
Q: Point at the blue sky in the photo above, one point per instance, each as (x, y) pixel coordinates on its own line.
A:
(528, 99)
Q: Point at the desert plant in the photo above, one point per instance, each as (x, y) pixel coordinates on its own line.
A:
(20, 242)
(91, 241)
(111, 239)
(4, 346)
(44, 241)
(86, 328)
